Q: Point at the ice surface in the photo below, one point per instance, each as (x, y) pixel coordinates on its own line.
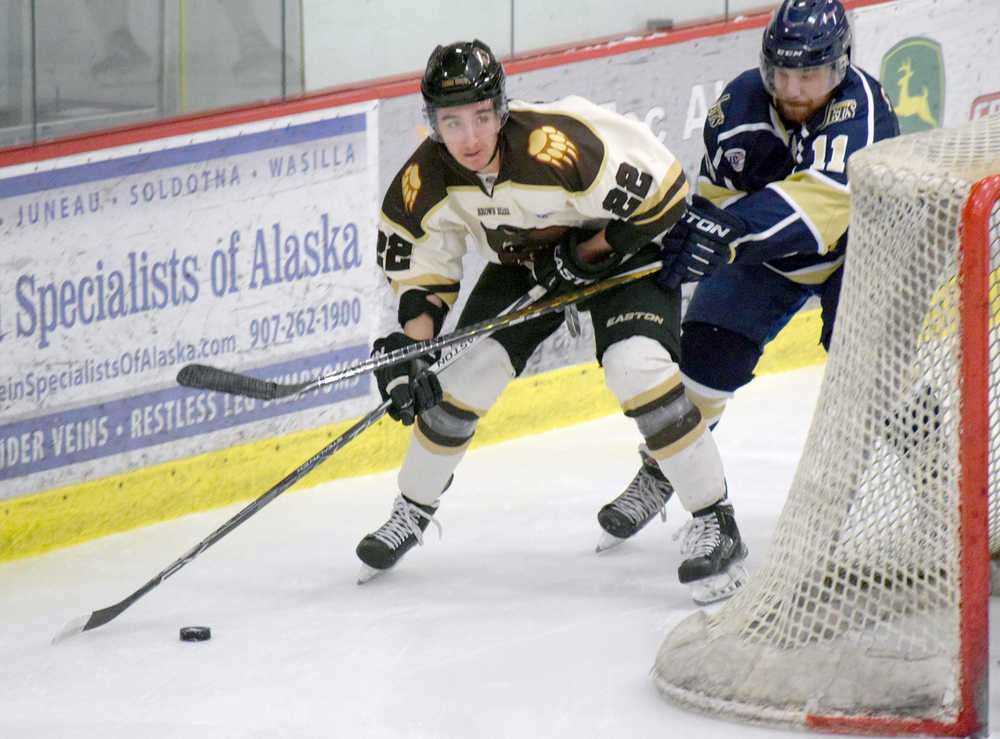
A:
(508, 626)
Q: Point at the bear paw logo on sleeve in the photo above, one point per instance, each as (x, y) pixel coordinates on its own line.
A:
(550, 145)
(411, 186)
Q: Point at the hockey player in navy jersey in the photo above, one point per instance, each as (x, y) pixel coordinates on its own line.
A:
(777, 143)
(558, 194)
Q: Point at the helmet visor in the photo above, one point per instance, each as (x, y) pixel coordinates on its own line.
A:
(431, 116)
(819, 80)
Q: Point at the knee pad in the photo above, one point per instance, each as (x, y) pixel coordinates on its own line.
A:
(649, 388)
(471, 385)
(647, 383)
(639, 370)
(475, 380)
(717, 358)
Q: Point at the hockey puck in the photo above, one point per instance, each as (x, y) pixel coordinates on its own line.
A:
(196, 633)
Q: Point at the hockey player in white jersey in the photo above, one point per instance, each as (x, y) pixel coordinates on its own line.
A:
(559, 194)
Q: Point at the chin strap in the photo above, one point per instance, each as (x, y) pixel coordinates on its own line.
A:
(496, 151)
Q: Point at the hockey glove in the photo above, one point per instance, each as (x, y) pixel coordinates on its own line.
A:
(411, 386)
(559, 269)
(698, 243)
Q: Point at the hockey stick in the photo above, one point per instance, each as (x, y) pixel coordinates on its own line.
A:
(103, 615)
(212, 378)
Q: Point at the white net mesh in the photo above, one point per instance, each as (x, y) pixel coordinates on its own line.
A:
(856, 611)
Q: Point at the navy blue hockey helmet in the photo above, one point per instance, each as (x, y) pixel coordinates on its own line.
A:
(806, 33)
(461, 73)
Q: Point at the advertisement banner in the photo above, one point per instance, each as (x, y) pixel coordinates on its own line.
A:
(931, 76)
(913, 75)
(248, 248)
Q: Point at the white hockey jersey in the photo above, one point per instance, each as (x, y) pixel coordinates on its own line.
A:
(569, 163)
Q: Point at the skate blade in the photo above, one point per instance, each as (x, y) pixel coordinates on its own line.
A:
(367, 574)
(714, 588)
(608, 541)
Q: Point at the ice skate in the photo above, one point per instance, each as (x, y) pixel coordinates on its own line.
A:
(381, 549)
(644, 497)
(714, 554)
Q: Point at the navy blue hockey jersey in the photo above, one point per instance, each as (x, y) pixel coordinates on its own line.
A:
(789, 181)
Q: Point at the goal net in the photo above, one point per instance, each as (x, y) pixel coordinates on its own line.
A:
(870, 612)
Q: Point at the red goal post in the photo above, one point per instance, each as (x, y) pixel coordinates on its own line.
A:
(870, 613)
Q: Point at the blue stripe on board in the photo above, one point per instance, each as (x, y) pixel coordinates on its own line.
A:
(128, 424)
(175, 157)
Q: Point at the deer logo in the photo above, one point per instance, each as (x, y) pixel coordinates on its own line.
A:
(912, 76)
(912, 104)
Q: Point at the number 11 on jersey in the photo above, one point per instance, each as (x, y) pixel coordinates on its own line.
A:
(838, 154)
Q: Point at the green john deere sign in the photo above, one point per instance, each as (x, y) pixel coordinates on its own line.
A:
(913, 77)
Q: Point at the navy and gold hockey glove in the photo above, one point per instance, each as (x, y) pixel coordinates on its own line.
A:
(698, 243)
(411, 386)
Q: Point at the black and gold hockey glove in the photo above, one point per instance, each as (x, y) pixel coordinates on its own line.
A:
(411, 386)
(560, 269)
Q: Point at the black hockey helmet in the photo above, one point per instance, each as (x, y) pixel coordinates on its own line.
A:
(806, 33)
(461, 73)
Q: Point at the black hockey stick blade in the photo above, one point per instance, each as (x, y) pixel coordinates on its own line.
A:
(102, 616)
(211, 378)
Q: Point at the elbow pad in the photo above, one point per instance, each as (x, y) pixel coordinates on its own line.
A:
(414, 303)
(624, 238)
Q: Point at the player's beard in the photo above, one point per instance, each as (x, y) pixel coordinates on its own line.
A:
(799, 112)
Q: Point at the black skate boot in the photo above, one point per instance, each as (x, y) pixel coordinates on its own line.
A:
(381, 549)
(644, 497)
(714, 554)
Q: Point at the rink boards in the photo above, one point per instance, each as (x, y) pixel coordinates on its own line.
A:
(246, 239)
